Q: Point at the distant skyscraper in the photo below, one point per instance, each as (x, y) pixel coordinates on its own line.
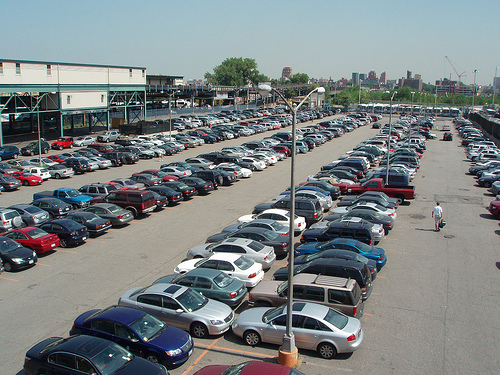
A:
(496, 83)
(372, 75)
(362, 76)
(286, 73)
(383, 78)
(355, 78)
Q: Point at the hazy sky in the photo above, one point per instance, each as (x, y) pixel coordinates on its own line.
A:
(321, 38)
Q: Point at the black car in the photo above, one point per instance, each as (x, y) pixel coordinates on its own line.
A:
(202, 186)
(310, 209)
(172, 196)
(82, 354)
(359, 230)
(368, 215)
(33, 148)
(14, 256)
(55, 207)
(227, 178)
(69, 232)
(147, 179)
(95, 224)
(187, 191)
(79, 165)
(161, 200)
(210, 175)
(9, 183)
(115, 157)
(128, 157)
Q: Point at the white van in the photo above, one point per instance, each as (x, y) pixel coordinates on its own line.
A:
(446, 128)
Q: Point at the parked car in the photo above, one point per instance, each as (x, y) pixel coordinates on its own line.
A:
(9, 183)
(9, 152)
(35, 239)
(55, 207)
(198, 315)
(143, 334)
(187, 191)
(310, 209)
(79, 165)
(27, 179)
(63, 142)
(146, 179)
(173, 197)
(203, 187)
(14, 256)
(117, 215)
(98, 189)
(69, 232)
(32, 216)
(33, 148)
(234, 265)
(339, 293)
(95, 224)
(60, 171)
(138, 202)
(128, 183)
(84, 141)
(10, 219)
(212, 283)
(41, 172)
(81, 354)
(279, 215)
(248, 368)
(109, 136)
(316, 327)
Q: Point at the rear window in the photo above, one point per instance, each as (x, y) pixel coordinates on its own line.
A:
(337, 319)
(10, 215)
(256, 246)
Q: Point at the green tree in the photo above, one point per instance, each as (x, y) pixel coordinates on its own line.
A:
(299, 78)
(235, 71)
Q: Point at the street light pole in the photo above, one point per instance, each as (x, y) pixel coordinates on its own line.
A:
(411, 109)
(288, 351)
(474, 90)
(494, 79)
(389, 141)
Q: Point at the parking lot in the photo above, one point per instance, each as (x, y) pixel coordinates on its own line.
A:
(433, 309)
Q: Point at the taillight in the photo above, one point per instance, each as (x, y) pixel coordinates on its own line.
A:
(372, 271)
(233, 294)
(284, 244)
(315, 214)
(252, 275)
(60, 210)
(265, 257)
(351, 338)
(285, 234)
(363, 290)
(370, 242)
(391, 214)
(119, 217)
(380, 257)
(354, 311)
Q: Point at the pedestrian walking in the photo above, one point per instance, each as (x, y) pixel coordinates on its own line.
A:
(160, 156)
(437, 214)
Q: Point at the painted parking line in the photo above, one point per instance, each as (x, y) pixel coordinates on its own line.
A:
(382, 277)
(67, 251)
(377, 294)
(118, 230)
(229, 350)
(6, 278)
(45, 265)
(366, 314)
(201, 355)
(390, 250)
(92, 240)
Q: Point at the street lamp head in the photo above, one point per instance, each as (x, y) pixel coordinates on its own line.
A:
(264, 89)
(320, 90)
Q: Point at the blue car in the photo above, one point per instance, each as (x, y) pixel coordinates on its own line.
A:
(368, 251)
(141, 333)
(9, 152)
(69, 232)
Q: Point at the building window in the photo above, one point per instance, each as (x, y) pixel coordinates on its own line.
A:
(68, 99)
(143, 73)
(18, 68)
(130, 73)
(49, 70)
(1, 67)
(102, 98)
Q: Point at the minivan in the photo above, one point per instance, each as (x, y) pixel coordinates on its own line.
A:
(310, 209)
(341, 294)
(349, 269)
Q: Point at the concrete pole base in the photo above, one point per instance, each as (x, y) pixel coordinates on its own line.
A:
(289, 359)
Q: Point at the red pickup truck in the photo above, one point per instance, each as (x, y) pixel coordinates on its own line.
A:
(377, 184)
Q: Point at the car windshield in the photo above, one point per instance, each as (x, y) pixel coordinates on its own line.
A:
(148, 327)
(222, 280)
(112, 358)
(273, 313)
(161, 173)
(73, 193)
(337, 319)
(192, 300)
(36, 233)
(114, 209)
(243, 263)
(7, 245)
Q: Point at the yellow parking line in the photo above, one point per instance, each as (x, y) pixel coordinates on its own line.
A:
(390, 250)
(366, 314)
(237, 351)
(202, 355)
(6, 278)
(46, 265)
(118, 230)
(383, 277)
(377, 294)
(67, 251)
(92, 240)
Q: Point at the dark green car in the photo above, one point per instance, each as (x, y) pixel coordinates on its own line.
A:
(211, 283)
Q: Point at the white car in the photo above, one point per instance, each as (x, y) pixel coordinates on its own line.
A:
(235, 265)
(279, 215)
(43, 173)
(259, 165)
(84, 141)
(177, 171)
(101, 162)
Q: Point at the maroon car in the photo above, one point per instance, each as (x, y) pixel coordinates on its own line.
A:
(494, 208)
(248, 368)
(159, 173)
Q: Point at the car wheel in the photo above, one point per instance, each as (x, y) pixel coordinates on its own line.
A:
(199, 330)
(57, 176)
(45, 150)
(326, 350)
(64, 243)
(133, 210)
(7, 266)
(487, 184)
(252, 338)
(32, 153)
(25, 183)
(153, 358)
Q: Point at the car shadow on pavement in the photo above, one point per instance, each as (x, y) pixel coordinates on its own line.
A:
(425, 229)
(489, 216)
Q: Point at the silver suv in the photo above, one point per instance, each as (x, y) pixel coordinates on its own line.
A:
(108, 136)
(9, 219)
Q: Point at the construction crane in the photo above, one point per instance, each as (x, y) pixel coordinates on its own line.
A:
(459, 75)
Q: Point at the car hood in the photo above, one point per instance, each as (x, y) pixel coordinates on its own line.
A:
(187, 265)
(215, 310)
(20, 252)
(232, 228)
(171, 338)
(252, 316)
(200, 249)
(246, 218)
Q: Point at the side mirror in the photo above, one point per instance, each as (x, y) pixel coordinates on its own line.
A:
(179, 311)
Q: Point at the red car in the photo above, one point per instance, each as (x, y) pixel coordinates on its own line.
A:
(494, 208)
(63, 142)
(27, 178)
(58, 158)
(158, 173)
(35, 239)
(248, 368)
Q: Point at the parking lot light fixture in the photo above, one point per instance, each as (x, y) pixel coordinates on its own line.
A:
(389, 139)
(288, 353)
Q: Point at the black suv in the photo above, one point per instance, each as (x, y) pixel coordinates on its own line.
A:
(79, 165)
(357, 229)
(32, 148)
(209, 175)
(310, 209)
(348, 269)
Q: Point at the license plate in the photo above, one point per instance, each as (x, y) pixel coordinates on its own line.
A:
(190, 352)
(53, 245)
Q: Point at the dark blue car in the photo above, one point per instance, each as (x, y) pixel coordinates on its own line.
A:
(9, 152)
(141, 333)
(371, 252)
(69, 232)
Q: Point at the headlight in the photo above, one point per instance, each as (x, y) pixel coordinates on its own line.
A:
(173, 352)
(216, 322)
(17, 260)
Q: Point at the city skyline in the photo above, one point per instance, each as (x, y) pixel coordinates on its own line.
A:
(320, 38)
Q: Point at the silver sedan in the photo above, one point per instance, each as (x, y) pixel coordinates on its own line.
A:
(316, 327)
(181, 307)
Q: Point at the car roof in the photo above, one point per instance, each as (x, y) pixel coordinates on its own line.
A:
(87, 346)
(121, 314)
(238, 241)
(164, 288)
